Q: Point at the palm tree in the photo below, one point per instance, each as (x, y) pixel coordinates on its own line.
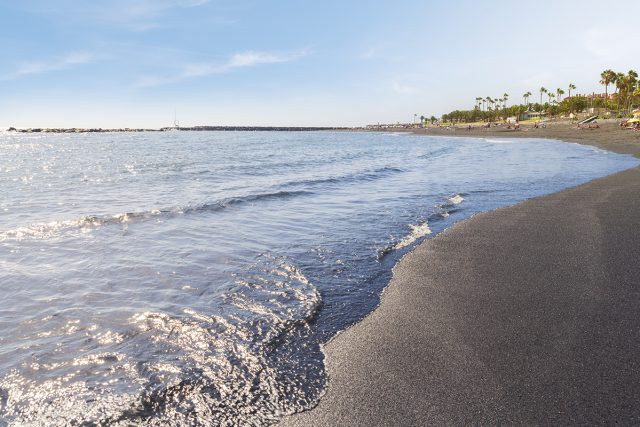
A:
(633, 80)
(551, 97)
(505, 96)
(619, 80)
(559, 92)
(571, 87)
(526, 98)
(542, 90)
(606, 78)
(626, 85)
(490, 103)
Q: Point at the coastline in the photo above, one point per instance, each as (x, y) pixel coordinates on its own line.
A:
(523, 315)
(609, 136)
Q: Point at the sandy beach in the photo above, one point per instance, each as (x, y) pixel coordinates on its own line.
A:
(524, 315)
(609, 136)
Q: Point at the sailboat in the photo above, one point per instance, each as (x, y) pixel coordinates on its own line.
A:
(176, 123)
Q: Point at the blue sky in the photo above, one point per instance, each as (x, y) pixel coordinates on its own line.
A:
(116, 63)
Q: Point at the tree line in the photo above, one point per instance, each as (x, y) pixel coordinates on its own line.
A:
(621, 102)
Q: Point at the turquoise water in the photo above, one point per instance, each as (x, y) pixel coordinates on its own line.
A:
(190, 277)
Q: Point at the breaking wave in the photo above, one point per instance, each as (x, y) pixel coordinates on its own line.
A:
(47, 230)
(369, 175)
(422, 229)
(417, 231)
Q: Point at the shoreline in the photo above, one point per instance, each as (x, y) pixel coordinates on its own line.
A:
(536, 324)
(609, 136)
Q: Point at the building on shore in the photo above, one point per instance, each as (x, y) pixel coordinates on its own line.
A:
(533, 115)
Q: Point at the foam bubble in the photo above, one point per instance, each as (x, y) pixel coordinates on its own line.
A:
(499, 141)
(456, 200)
(417, 231)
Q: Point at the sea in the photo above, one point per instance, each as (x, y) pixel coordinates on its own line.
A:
(191, 278)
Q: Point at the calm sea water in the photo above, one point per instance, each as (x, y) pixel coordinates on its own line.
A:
(189, 278)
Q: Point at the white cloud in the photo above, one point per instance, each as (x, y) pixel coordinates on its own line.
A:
(236, 61)
(69, 60)
(249, 59)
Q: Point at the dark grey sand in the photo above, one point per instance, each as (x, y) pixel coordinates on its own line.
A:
(524, 315)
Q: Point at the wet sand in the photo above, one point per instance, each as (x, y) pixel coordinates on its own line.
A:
(523, 315)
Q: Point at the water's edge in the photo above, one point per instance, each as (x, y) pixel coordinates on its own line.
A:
(324, 347)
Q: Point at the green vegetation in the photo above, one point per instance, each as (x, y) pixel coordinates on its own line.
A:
(619, 104)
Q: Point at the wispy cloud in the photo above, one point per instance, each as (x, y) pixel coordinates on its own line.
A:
(236, 61)
(69, 60)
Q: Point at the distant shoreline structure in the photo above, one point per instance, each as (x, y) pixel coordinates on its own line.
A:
(190, 128)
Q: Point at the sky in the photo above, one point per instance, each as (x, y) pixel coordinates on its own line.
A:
(136, 63)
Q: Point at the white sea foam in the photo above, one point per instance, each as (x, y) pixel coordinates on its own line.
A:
(499, 141)
(47, 230)
(417, 231)
(456, 200)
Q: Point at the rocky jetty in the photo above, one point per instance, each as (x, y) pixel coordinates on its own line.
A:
(250, 128)
(167, 129)
(77, 130)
